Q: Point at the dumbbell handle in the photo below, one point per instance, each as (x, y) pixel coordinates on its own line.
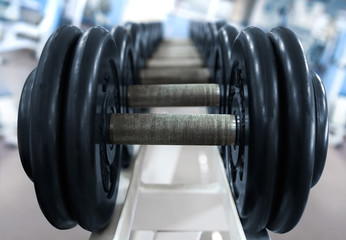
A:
(173, 129)
(169, 63)
(174, 75)
(164, 95)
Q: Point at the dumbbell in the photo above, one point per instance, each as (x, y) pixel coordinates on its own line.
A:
(71, 124)
(56, 183)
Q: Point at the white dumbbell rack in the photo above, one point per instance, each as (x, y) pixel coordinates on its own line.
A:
(174, 192)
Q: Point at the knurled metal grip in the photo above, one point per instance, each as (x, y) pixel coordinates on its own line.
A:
(173, 129)
(162, 55)
(166, 95)
(174, 75)
(175, 62)
(183, 50)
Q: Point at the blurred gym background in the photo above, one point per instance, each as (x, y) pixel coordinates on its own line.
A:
(25, 25)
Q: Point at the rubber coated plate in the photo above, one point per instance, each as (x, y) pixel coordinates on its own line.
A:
(297, 131)
(23, 128)
(211, 61)
(225, 38)
(46, 121)
(134, 29)
(254, 101)
(127, 71)
(93, 165)
(321, 145)
(125, 58)
(205, 41)
(145, 48)
(212, 48)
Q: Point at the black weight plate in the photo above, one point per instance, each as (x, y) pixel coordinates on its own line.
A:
(93, 164)
(212, 57)
(46, 125)
(127, 71)
(135, 32)
(211, 45)
(225, 38)
(254, 100)
(205, 41)
(23, 127)
(222, 56)
(145, 43)
(297, 131)
(322, 126)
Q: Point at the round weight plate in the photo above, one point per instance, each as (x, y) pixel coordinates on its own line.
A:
(144, 52)
(127, 71)
(93, 164)
(46, 124)
(23, 127)
(212, 58)
(297, 131)
(225, 37)
(135, 32)
(211, 45)
(217, 78)
(254, 100)
(205, 41)
(321, 145)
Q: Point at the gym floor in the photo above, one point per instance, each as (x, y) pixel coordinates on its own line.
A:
(21, 218)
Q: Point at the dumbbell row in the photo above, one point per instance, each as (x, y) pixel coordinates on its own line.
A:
(288, 223)
(87, 96)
